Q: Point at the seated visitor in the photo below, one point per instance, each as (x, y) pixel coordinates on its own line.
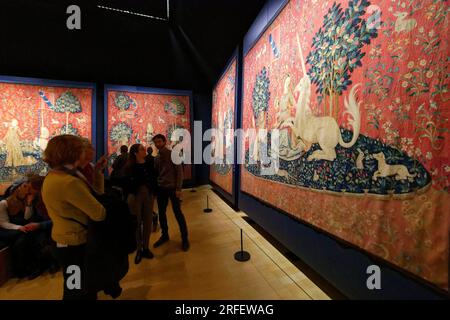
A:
(25, 227)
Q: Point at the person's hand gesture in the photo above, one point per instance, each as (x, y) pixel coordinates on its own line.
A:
(31, 226)
(101, 163)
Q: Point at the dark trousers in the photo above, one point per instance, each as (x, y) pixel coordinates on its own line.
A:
(163, 196)
(30, 252)
(75, 256)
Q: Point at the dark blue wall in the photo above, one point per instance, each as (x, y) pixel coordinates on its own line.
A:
(202, 112)
(343, 266)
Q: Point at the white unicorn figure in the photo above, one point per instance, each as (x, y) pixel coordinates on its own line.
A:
(322, 130)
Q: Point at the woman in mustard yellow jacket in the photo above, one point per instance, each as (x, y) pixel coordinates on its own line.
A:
(70, 205)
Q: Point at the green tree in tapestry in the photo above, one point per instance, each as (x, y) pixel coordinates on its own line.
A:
(120, 133)
(261, 95)
(123, 101)
(175, 107)
(67, 103)
(336, 50)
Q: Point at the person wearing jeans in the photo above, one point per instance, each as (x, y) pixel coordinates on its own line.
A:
(170, 181)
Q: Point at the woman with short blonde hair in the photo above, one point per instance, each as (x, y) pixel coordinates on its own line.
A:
(70, 205)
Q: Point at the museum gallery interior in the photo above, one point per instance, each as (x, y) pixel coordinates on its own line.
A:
(310, 139)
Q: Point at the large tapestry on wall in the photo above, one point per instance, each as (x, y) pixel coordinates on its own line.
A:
(360, 94)
(33, 114)
(136, 117)
(223, 108)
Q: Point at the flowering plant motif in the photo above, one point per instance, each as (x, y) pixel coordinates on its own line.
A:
(400, 110)
(430, 124)
(379, 82)
(430, 41)
(374, 115)
(437, 11)
(417, 81)
(441, 73)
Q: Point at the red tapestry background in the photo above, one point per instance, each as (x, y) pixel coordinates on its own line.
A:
(223, 107)
(327, 71)
(137, 117)
(30, 116)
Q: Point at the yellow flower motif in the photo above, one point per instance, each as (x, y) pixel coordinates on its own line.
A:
(404, 84)
(429, 74)
(410, 64)
(431, 33)
(423, 62)
(417, 42)
(421, 29)
(408, 76)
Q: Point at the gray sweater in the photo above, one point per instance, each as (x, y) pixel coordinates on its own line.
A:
(170, 175)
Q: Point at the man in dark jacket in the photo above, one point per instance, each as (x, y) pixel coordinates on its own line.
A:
(170, 181)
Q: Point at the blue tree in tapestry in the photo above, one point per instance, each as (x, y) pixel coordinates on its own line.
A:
(336, 50)
(67, 103)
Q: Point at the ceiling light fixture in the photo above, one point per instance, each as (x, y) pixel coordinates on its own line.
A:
(137, 13)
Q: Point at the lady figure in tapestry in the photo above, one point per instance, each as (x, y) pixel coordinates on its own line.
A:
(14, 155)
(32, 115)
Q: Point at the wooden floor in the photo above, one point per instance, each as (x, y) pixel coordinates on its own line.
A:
(207, 271)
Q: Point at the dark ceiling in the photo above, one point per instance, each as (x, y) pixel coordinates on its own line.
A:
(187, 52)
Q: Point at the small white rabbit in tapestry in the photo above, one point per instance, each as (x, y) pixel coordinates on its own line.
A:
(402, 24)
